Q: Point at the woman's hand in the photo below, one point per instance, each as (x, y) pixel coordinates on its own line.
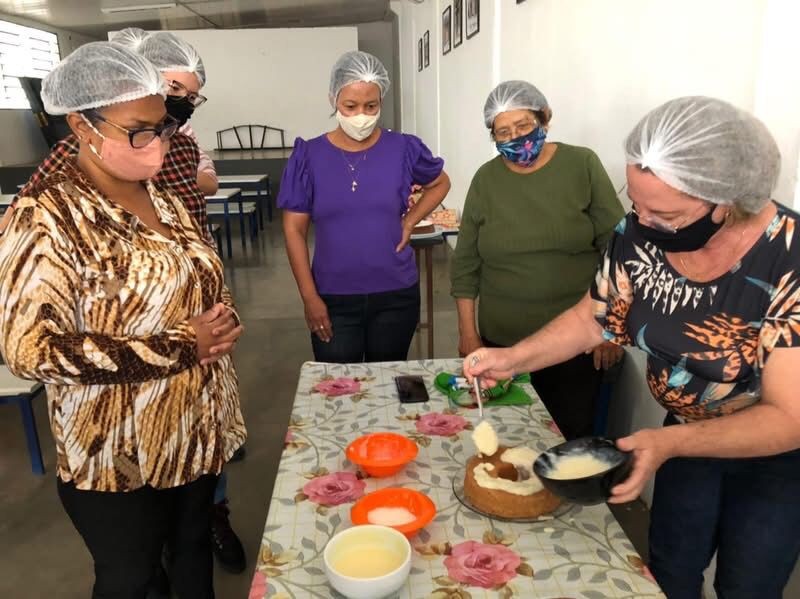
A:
(216, 332)
(408, 228)
(650, 448)
(606, 355)
(317, 318)
(468, 343)
(491, 365)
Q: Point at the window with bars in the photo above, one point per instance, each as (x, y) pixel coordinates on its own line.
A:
(24, 52)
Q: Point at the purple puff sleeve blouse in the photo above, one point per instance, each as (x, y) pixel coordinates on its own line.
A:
(356, 232)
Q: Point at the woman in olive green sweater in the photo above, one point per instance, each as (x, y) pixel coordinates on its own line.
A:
(535, 221)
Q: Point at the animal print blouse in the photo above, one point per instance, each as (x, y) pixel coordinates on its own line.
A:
(96, 306)
(706, 343)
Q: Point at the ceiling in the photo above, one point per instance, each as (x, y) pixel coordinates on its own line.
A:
(86, 16)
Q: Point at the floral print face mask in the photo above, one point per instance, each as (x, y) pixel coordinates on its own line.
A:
(523, 150)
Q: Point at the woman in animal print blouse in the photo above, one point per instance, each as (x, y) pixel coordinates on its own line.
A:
(115, 301)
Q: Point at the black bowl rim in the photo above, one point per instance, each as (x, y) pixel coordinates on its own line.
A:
(624, 459)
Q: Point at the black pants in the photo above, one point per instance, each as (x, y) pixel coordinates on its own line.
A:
(126, 532)
(374, 327)
(568, 391)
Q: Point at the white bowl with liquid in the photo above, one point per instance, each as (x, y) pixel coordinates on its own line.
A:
(367, 561)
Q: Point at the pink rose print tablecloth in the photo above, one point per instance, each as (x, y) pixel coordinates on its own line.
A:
(580, 554)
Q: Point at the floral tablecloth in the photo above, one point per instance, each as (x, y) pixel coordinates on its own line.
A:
(582, 553)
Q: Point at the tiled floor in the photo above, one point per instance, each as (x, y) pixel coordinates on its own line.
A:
(43, 557)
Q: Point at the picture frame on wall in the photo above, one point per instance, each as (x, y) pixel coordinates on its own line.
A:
(447, 17)
(419, 54)
(473, 25)
(427, 47)
(458, 22)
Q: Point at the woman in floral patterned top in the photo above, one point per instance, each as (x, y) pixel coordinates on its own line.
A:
(113, 299)
(704, 277)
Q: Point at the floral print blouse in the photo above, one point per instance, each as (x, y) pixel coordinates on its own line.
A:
(96, 306)
(706, 343)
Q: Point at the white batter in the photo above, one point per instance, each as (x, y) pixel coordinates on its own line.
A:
(390, 516)
(578, 466)
(522, 458)
(485, 438)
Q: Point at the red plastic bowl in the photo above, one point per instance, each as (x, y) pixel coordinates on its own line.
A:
(381, 454)
(415, 502)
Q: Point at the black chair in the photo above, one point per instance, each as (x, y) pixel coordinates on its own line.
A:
(248, 137)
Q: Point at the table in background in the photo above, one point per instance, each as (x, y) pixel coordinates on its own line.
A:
(580, 553)
(425, 245)
(5, 201)
(258, 183)
(225, 197)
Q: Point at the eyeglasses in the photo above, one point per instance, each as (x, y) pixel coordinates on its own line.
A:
(513, 132)
(662, 225)
(141, 137)
(179, 89)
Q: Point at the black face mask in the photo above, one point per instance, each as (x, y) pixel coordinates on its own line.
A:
(688, 239)
(179, 108)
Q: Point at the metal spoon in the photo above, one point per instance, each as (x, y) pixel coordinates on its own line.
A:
(477, 385)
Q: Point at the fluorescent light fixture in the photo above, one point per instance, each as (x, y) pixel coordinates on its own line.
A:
(109, 10)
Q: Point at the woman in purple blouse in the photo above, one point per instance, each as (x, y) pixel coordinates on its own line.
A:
(361, 295)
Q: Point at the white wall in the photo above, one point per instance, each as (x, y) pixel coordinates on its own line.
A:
(778, 91)
(377, 38)
(22, 141)
(276, 77)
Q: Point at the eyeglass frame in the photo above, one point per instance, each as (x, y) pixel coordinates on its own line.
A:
(195, 99)
(158, 130)
(662, 225)
(515, 132)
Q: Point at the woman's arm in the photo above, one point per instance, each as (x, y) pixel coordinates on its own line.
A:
(769, 427)
(468, 337)
(572, 332)
(39, 331)
(207, 183)
(295, 230)
(433, 195)
(465, 272)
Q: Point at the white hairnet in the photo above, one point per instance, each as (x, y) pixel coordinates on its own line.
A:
(356, 66)
(512, 95)
(708, 149)
(130, 37)
(165, 50)
(99, 74)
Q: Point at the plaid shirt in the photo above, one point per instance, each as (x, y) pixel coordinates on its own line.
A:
(178, 173)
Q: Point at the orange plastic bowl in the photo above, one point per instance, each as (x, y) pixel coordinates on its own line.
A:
(415, 502)
(381, 454)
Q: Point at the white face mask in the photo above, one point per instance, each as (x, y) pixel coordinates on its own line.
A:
(359, 126)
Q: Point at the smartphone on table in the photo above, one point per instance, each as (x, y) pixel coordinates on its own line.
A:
(411, 389)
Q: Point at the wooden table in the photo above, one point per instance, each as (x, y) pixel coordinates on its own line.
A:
(259, 183)
(580, 553)
(425, 245)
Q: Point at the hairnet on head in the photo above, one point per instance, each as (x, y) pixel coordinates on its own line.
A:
(165, 50)
(99, 74)
(512, 95)
(356, 66)
(708, 149)
(130, 37)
